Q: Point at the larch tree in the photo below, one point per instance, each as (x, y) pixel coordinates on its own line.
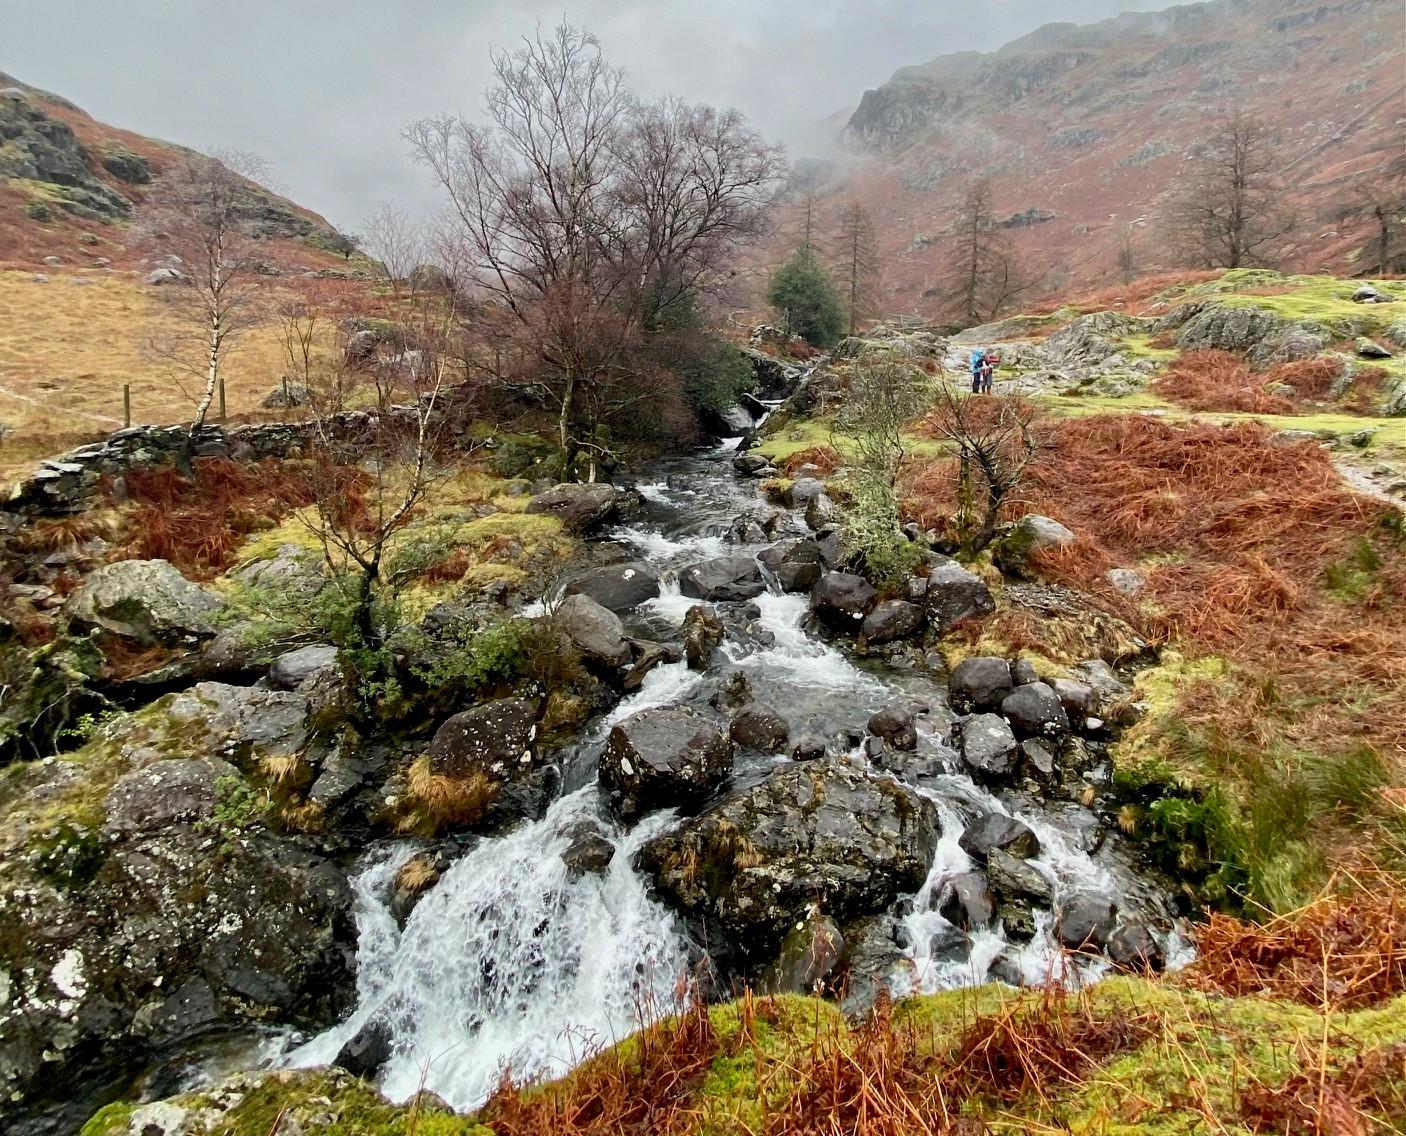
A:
(859, 263)
(196, 214)
(1229, 210)
(985, 275)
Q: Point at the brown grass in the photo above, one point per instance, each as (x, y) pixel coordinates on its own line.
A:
(1361, 397)
(434, 800)
(1131, 297)
(647, 1086)
(1340, 1098)
(199, 525)
(1218, 380)
(826, 458)
(1342, 952)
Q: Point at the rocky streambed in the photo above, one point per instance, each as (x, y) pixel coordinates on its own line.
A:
(788, 790)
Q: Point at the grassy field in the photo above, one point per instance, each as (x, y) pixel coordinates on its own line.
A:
(67, 348)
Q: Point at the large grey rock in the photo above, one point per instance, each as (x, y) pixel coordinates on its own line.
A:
(1013, 879)
(823, 832)
(1034, 709)
(618, 587)
(147, 602)
(1032, 534)
(663, 758)
(1086, 921)
(241, 723)
(172, 791)
(497, 739)
(367, 1051)
(895, 724)
(820, 511)
(723, 579)
(979, 683)
(966, 901)
(758, 726)
(1079, 699)
(1133, 947)
(997, 830)
(595, 631)
(841, 600)
(580, 507)
(953, 594)
(803, 491)
(1370, 349)
(893, 620)
(795, 564)
(291, 669)
(988, 747)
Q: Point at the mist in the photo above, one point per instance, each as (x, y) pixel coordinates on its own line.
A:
(322, 89)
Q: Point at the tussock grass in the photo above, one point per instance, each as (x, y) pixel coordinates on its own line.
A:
(434, 801)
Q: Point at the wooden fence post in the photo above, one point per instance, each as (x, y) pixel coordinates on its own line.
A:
(126, 404)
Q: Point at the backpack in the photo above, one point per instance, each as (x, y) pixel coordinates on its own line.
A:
(978, 357)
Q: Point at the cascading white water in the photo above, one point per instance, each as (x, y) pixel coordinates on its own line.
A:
(511, 963)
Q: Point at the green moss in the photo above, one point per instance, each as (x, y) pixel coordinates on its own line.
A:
(110, 1120)
(800, 436)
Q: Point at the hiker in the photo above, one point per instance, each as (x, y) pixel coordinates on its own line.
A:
(988, 370)
(978, 362)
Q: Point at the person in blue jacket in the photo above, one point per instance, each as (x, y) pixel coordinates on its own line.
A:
(978, 365)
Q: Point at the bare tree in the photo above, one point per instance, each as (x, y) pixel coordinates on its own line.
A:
(395, 243)
(195, 213)
(985, 275)
(1379, 198)
(372, 468)
(1230, 210)
(860, 263)
(581, 211)
(996, 439)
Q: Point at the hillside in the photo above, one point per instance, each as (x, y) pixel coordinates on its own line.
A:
(79, 318)
(1084, 129)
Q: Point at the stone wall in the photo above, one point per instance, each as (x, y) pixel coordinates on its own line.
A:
(66, 484)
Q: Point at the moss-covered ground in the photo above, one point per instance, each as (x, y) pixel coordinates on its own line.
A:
(1129, 1056)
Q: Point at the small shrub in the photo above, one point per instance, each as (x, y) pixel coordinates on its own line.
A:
(238, 808)
(38, 211)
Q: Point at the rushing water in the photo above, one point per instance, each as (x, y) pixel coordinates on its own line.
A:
(511, 963)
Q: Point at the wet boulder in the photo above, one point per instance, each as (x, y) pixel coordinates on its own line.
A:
(966, 901)
(292, 668)
(589, 853)
(997, 830)
(1034, 710)
(808, 747)
(1133, 947)
(893, 620)
(803, 491)
(617, 587)
(1079, 699)
(841, 600)
(581, 508)
(810, 955)
(663, 758)
(953, 594)
(147, 602)
(364, 1054)
(595, 631)
(753, 465)
(1013, 879)
(895, 724)
(172, 791)
(988, 747)
(1031, 534)
(647, 655)
(830, 543)
(795, 564)
(702, 635)
(497, 739)
(980, 682)
(1086, 922)
(820, 511)
(723, 579)
(1023, 671)
(758, 726)
(820, 833)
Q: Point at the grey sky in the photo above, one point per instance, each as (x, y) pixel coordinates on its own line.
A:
(321, 88)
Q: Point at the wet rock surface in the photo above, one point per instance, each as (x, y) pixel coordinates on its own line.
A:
(823, 832)
(663, 758)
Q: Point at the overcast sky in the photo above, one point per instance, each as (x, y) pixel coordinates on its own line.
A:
(320, 89)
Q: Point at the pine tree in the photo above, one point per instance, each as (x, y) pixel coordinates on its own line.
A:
(805, 300)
